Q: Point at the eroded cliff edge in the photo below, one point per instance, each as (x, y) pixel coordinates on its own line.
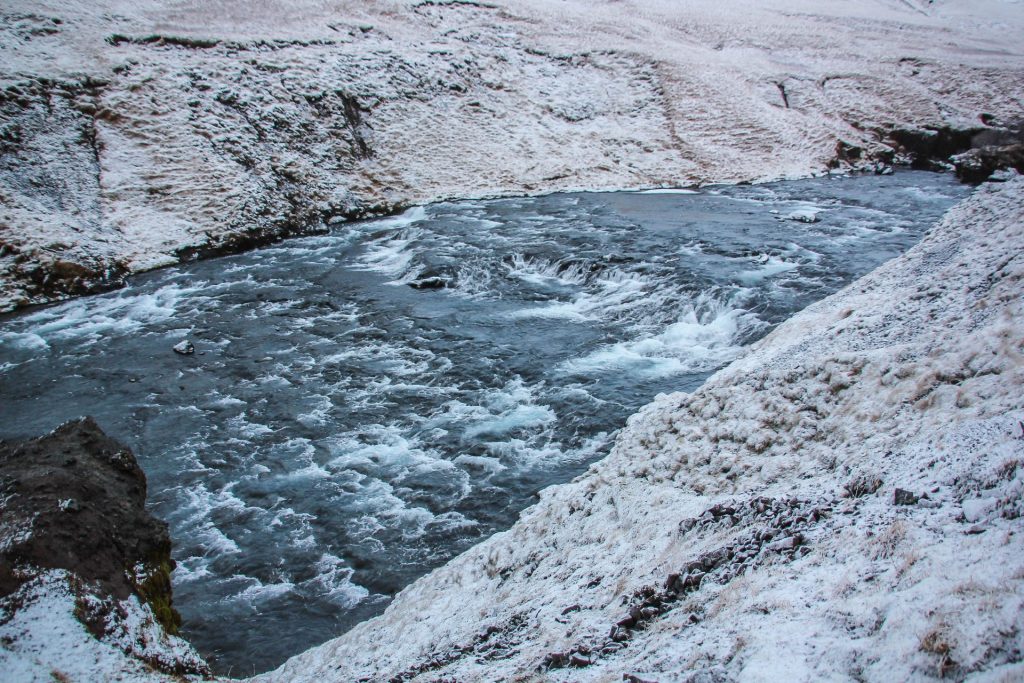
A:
(842, 502)
(133, 135)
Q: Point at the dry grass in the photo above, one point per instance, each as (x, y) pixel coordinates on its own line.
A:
(937, 642)
(887, 543)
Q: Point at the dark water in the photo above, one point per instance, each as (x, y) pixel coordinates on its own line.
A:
(339, 433)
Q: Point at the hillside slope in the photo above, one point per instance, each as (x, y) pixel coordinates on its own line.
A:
(136, 134)
(841, 503)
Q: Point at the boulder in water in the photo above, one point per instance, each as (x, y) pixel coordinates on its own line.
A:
(184, 347)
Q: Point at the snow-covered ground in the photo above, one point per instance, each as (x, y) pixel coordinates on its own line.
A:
(752, 525)
(135, 133)
(843, 502)
(755, 529)
(45, 641)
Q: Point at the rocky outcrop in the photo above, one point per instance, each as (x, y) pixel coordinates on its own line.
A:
(74, 500)
(974, 152)
(999, 148)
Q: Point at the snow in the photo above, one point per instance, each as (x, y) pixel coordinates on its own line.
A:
(910, 378)
(122, 154)
(44, 641)
(805, 215)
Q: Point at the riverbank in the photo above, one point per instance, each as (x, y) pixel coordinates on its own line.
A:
(845, 498)
(848, 493)
(133, 136)
(843, 501)
(340, 429)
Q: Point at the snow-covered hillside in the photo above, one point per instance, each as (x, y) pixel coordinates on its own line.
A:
(842, 503)
(133, 134)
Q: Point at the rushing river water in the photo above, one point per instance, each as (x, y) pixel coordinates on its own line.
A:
(347, 423)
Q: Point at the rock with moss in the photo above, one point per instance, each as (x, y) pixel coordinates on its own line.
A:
(74, 500)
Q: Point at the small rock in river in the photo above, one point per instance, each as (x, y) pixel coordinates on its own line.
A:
(429, 283)
(184, 347)
(805, 215)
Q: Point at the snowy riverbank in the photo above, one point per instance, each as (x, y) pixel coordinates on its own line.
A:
(843, 502)
(135, 134)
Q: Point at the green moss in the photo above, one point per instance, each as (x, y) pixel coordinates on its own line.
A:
(156, 591)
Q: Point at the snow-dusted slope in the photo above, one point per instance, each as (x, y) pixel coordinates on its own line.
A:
(768, 526)
(45, 640)
(748, 530)
(132, 134)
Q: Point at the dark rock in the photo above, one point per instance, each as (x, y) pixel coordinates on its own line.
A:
(721, 510)
(715, 558)
(848, 152)
(902, 497)
(626, 622)
(975, 153)
(50, 278)
(556, 660)
(978, 165)
(184, 347)
(695, 566)
(579, 661)
(429, 283)
(619, 634)
(929, 148)
(570, 608)
(633, 678)
(82, 496)
(693, 580)
(687, 525)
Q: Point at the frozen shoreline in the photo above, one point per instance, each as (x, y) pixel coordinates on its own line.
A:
(760, 512)
(758, 515)
(122, 153)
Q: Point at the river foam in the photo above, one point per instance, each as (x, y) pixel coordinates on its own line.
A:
(337, 432)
